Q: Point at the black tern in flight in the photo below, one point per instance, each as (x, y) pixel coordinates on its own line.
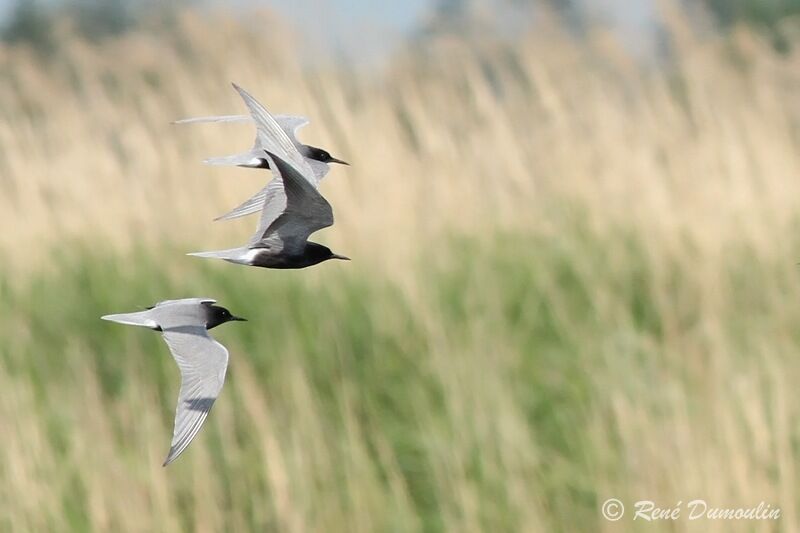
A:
(184, 324)
(281, 240)
(274, 134)
(254, 158)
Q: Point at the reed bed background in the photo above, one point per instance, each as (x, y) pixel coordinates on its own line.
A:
(574, 278)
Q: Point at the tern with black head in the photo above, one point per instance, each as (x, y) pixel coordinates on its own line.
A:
(276, 134)
(202, 361)
(254, 158)
(281, 241)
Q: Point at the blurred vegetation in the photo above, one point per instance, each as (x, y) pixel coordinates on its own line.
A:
(773, 17)
(33, 21)
(500, 385)
(374, 363)
(29, 23)
(766, 13)
(500, 398)
(100, 18)
(574, 278)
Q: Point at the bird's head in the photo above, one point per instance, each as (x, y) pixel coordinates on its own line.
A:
(216, 315)
(318, 154)
(317, 253)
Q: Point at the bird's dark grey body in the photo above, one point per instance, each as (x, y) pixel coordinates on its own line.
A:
(312, 254)
(282, 241)
(212, 316)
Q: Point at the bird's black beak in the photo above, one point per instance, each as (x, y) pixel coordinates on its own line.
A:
(238, 319)
(334, 160)
(342, 257)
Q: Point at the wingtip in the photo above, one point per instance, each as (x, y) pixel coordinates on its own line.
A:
(241, 211)
(171, 456)
(242, 92)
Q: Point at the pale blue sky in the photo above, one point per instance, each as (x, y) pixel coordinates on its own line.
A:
(364, 28)
(367, 29)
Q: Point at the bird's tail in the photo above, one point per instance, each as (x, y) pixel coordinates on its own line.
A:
(246, 159)
(231, 254)
(217, 118)
(133, 319)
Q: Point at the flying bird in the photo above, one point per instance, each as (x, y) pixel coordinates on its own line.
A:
(281, 240)
(202, 361)
(275, 134)
(254, 158)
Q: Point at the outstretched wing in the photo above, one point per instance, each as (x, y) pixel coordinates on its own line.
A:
(186, 302)
(215, 118)
(271, 198)
(275, 134)
(272, 138)
(252, 204)
(305, 211)
(291, 124)
(202, 362)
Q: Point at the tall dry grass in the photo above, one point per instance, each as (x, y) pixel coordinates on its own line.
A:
(575, 279)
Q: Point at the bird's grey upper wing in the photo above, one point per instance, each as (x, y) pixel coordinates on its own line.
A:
(270, 194)
(249, 206)
(272, 138)
(276, 135)
(202, 362)
(318, 169)
(186, 301)
(305, 211)
(290, 125)
(167, 313)
(273, 204)
(215, 118)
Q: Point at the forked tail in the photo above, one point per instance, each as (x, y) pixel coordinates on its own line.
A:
(133, 319)
(232, 254)
(246, 159)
